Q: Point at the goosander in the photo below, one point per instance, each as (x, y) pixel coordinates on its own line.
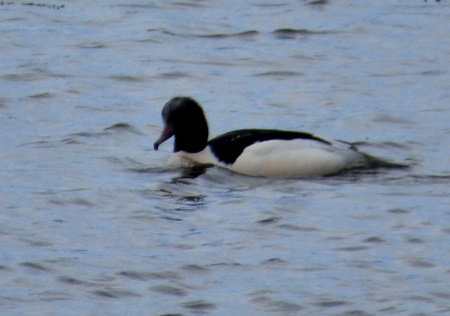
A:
(254, 152)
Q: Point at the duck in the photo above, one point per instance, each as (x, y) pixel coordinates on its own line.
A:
(254, 152)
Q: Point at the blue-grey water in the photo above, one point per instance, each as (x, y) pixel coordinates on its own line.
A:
(93, 223)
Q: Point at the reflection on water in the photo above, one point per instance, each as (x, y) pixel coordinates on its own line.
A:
(94, 222)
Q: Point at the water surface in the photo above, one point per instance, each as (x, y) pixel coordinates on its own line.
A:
(93, 223)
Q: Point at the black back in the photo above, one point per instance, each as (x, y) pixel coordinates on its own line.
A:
(227, 147)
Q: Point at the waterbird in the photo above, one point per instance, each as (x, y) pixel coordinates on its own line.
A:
(256, 152)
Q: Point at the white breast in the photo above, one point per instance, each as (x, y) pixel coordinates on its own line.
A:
(187, 160)
(295, 158)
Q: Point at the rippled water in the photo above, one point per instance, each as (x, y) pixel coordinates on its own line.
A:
(92, 223)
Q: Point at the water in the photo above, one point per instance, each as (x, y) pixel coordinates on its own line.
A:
(92, 223)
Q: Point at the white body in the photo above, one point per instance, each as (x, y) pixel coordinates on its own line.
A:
(282, 158)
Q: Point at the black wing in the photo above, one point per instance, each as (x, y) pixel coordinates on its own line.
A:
(227, 147)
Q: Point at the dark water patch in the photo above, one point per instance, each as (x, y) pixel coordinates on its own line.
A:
(115, 293)
(92, 45)
(148, 40)
(127, 162)
(440, 294)
(184, 246)
(266, 303)
(119, 127)
(191, 173)
(226, 264)
(278, 73)
(391, 310)
(71, 141)
(43, 95)
(59, 75)
(433, 72)
(128, 78)
(75, 91)
(37, 243)
(34, 4)
(39, 5)
(4, 268)
(177, 212)
(95, 109)
(280, 306)
(289, 33)
(73, 201)
(214, 62)
(87, 134)
(162, 275)
(173, 75)
(352, 248)
(103, 279)
(3, 103)
(52, 296)
(35, 266)
(143, 216)
(137, 275)
(182, 191)
(71, 280)
(246, 35)
(299, 228)
(150, 170)
(14, 19)
(169, 290)
(306, 57)
(193, 199)
(316, 2)
(194, 268)
(171, 218)
(398, 211)
(269, 220)
(420, 263)
(40, 144)
(418, 298)
(114, 129)
(24, 77)
(386, 118)
(273, 261)
(431, 179)
(386, 144)
(329, 302)
(360, 264)
(136, 5)
(200, 306)
(374, 240)
(122, 127)
(284, 307)
(50, 192)
(415, 240)
(355, 313)
(162, 31)
(271, 4)
(189, 4)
